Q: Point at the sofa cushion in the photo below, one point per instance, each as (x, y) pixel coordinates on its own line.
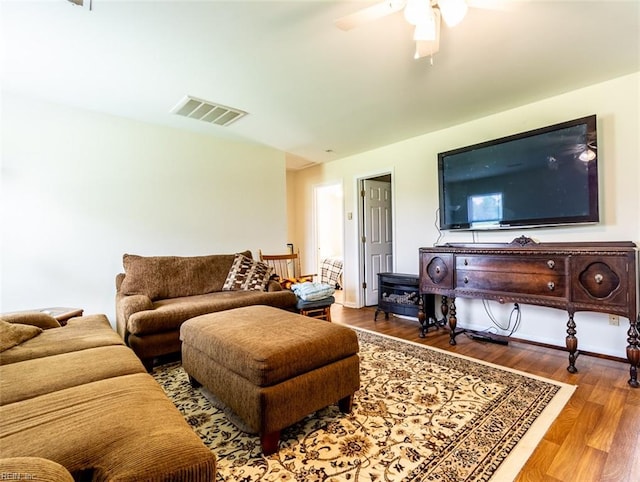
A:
(169, 314)
(247, 274)
(160, 277)
(79, 333)
(12, 334)
(121, 429)
(56, 372)
(35, 318)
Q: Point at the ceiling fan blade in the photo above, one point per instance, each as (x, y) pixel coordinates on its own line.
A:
(426, 48)
(369, 14)
(502, 5)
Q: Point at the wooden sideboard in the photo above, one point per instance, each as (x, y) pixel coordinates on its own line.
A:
(600, 277)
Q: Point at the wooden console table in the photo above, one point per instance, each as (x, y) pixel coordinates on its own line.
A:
(600, 277)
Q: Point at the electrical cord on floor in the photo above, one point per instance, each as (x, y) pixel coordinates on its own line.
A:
(490, 335)
(512, 325)
(516, 308)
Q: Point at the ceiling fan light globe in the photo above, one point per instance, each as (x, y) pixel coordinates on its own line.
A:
(587, 155)
(453, 11)
(417, 11)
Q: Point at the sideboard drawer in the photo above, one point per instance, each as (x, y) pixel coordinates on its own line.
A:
(535, 265)
(521, 284)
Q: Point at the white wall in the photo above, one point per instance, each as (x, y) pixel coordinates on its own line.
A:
(329, 221)
(80, 189)
(415, 186)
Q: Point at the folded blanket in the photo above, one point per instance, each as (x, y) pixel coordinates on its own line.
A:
(309, 291)
(331, 271)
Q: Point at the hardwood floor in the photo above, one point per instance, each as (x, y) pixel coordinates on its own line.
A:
(597, 435)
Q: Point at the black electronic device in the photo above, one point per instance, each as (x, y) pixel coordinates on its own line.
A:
(488, 337)
(544, 177)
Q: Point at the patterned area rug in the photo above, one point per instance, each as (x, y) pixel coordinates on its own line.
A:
(421, 414)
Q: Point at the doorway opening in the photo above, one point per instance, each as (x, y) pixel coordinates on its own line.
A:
(376, 234)
(329, 236)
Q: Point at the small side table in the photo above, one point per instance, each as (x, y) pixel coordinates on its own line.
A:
(62, 314)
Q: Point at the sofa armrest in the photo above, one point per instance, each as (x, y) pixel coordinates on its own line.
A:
(34, 318)
(127, 305)
(33, 468)
(119, 280)
(273, 285)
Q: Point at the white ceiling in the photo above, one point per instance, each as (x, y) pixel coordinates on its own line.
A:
(309, 87)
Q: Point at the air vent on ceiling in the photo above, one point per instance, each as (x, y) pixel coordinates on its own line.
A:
(83, 3)
(207, 111)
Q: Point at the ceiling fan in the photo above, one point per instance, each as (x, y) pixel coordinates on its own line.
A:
(425, 15)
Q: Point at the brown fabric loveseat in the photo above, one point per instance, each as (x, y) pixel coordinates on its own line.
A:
(77, 396)
(157, 294)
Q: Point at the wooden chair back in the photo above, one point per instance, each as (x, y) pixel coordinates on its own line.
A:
(284, 265)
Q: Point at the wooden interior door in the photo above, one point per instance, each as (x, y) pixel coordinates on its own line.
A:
(377, 240)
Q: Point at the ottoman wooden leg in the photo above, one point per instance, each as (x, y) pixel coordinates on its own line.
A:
(346, 404)
(148, 364)
(194, 383)
(269, 442)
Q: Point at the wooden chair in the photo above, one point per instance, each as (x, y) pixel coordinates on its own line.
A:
(320, 309)
(287, 267)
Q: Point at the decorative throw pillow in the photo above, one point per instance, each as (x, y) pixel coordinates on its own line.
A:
(247, 274)
(12, 334)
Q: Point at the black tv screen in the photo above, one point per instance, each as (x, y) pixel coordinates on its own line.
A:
(543, 177)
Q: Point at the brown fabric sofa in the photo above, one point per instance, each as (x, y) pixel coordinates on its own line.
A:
(157, 294)
(33, 468)
(78, 397)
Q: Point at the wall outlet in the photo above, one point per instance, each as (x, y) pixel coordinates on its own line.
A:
(614, 320)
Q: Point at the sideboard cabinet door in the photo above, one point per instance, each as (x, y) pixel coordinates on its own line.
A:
(437, 271)
(601, 281)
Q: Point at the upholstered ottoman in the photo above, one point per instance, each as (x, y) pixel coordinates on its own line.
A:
(271, 367)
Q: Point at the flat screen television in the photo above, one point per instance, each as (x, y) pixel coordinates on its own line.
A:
(544, 177)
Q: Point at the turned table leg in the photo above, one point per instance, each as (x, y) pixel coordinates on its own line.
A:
(444, 309)
(422, 317)
(453, 320)
(572, 344)
(633, 351)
